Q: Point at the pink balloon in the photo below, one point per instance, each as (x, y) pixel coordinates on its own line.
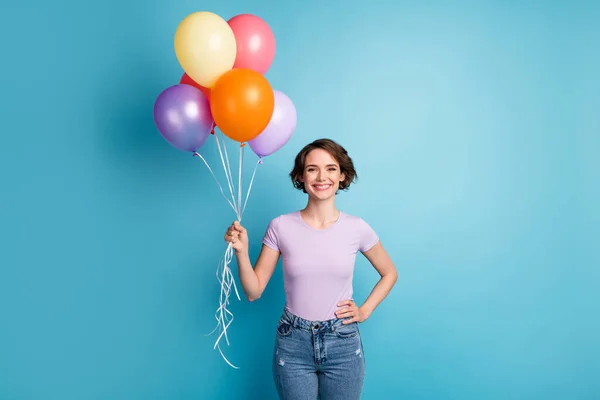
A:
(255, 42)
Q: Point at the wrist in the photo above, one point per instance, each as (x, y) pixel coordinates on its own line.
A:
(241, 253)
(365, 311)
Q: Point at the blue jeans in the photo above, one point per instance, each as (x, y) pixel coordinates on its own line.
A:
(317, 359)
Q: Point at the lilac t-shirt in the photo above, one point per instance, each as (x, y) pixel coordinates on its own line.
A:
(318, 265)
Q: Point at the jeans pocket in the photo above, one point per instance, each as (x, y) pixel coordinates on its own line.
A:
(348, 331)
(284, 328)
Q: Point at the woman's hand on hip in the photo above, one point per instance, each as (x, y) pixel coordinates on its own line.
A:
(350, 312)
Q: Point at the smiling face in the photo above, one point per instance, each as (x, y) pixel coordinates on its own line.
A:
(322, 175)
(322, 168)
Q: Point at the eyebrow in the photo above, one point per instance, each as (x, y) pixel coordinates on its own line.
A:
(328, 165)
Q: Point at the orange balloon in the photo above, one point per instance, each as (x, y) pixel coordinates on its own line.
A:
(242, 103)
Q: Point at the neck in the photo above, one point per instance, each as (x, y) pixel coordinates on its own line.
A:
(321, 211)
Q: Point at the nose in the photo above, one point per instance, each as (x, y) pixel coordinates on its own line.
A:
(320, 176)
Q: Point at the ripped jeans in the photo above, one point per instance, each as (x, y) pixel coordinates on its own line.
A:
(317, 359)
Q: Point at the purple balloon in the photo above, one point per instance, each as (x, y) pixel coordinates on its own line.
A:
(280, 127)
(182, 116)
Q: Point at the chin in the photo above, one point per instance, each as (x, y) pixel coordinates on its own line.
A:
(322, 196)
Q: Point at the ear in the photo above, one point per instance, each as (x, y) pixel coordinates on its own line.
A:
(342, 177)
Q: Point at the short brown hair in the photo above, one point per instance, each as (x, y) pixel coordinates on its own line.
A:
(336, 151)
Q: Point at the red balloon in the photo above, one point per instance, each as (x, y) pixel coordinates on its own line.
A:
(186, 80)
(255, 43)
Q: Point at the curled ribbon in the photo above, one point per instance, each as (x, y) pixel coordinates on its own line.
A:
(224, 274)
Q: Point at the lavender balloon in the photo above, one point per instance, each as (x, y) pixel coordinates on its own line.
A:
(280, 127)
(182, 116)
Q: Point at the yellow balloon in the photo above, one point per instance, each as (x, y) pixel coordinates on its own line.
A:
(205, 47)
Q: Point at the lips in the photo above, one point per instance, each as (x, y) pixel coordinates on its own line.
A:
(321, 187)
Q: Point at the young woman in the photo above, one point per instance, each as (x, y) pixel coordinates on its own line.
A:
(318, 350)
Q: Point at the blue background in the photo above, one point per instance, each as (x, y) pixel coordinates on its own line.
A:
(475, 129)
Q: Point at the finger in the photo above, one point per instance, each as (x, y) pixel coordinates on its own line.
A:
(346, 314)
(230, 236)
(239, 227)
(342, 310)
(345, 303)
(349, 321)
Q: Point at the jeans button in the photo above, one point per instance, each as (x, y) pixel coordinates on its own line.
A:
(317, 326)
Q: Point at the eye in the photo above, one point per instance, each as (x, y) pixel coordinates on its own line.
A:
(333, 169)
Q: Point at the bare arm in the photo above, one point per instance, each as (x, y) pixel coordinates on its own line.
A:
(254, 281)
(381, 261)
(379, 258)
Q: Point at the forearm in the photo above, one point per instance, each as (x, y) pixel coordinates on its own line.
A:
(379, 292)
(247, 276)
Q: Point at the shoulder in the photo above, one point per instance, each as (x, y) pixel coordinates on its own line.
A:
(283, 220)
(365, 234)
(279, 227)
(355, 220)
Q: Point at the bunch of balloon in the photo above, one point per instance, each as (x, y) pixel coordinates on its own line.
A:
(223, 86)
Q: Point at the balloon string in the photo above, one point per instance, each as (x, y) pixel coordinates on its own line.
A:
(230, 175)
(196, 154)
(227, 279)
(227, 170)
(223, 316)
(240, 168)
(226, 166)
(250, 185)
(224, 274)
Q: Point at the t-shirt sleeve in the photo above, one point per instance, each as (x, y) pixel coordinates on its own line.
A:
(271, 237)
(368, 237)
